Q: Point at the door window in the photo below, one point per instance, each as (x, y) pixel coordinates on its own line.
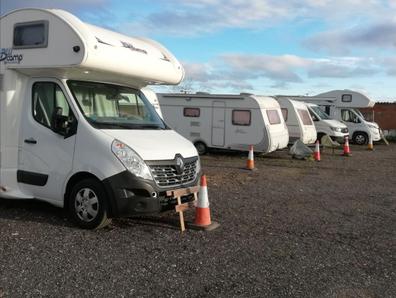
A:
(48, 99)
(349, 116)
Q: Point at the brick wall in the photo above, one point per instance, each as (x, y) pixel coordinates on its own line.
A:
(382, 113)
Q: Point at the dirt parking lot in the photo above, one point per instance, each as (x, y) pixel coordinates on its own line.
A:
(289, 229)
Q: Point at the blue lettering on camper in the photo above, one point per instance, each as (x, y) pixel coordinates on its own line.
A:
(8, 57)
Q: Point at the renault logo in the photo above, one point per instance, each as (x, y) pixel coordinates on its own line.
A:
(179, 164)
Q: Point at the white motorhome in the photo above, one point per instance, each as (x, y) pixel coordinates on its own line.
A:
(343, 105)
(298, 120)
(226, 121)
(75, 129)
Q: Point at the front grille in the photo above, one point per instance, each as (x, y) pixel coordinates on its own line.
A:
(344, 130)
(167, 176)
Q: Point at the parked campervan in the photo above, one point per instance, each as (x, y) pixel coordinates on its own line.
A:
(327, 126)
(343, 105)
(226, 121)
(75, 129)
(298, 120)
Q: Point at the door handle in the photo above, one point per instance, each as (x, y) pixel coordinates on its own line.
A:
(30, 141)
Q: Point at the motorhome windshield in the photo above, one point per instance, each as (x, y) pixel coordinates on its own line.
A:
(114, 107)
(319, 112)
(359, 113)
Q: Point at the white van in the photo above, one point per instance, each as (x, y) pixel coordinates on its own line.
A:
(298, 120)
(326, 126)
(226, 121)
(75, 129)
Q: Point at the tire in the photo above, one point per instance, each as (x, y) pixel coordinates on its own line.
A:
(319, 137)
(201, 148)
(88, 205)
(360, 138)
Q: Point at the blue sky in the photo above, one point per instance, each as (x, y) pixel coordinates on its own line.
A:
(260, 46)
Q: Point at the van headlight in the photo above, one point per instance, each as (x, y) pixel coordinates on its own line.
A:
(131, 160)
(336, 129)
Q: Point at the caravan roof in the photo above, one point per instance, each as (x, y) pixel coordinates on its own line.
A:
(264, 102)
(36, 40)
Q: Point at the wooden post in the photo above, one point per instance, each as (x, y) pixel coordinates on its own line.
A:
(180, 208)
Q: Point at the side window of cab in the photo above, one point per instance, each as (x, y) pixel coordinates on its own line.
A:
(49, 106)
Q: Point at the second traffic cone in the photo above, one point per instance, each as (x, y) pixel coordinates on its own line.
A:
(317, 151)
(202, 211)
(347, 150)
(370, 145)
(250, 161)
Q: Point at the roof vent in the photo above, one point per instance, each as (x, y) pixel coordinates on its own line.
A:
(202, 93)
(246, 94)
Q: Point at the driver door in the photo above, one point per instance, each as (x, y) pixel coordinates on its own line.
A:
(45, 157)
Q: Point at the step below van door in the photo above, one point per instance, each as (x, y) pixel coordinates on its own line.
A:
(45, 156)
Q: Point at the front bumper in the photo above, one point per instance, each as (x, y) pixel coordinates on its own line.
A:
(129, 195)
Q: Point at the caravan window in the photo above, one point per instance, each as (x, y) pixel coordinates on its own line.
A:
(46, 97)
(346, 98)
(191, 112)
(273, 117)
(284, 113)
(31, 35)
(241, 117)
(305, 117)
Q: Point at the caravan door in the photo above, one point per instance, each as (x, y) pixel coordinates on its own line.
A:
(45, 157)
(218, 123)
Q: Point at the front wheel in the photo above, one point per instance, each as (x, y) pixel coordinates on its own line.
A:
(360, 138)
(201, 148)
(88, 204)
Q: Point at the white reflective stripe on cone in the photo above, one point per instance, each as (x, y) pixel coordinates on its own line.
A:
(203, 201)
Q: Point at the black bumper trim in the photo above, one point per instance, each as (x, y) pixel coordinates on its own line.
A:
(129, 195)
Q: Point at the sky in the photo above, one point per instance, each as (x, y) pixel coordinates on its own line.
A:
(299, 47)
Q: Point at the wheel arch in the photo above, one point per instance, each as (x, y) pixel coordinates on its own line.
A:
(77, 177)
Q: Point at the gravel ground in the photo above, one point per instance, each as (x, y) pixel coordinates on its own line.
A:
(288, 229)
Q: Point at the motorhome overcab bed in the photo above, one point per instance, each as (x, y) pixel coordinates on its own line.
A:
(75, 129)
(225, 121)
(298, 121)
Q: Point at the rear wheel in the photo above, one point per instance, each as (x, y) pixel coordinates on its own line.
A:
(201, 148)
(360, 138)
(88, 204)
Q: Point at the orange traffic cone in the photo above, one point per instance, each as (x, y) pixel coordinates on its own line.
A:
(250, 161)
(347, 150)
(370, 145)
(202, 211)
(317, 151)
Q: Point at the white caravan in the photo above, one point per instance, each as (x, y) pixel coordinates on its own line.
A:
(298, 121)
(75, 129)
(226, 121)
(343, 105)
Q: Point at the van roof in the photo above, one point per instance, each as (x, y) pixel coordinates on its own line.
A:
(75, 48)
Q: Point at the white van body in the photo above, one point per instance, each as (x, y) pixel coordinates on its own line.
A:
(71, 111)
(343, 105)
(226, 121)
(298, 120)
